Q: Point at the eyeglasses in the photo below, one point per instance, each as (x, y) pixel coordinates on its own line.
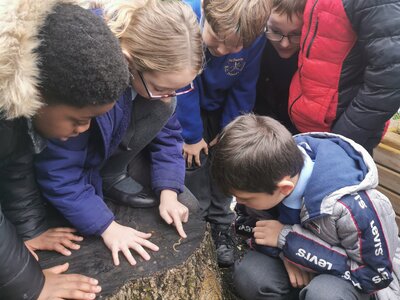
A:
(278, 37)
(173, 94)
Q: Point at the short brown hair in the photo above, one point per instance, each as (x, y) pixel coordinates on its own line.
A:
(253, 154)
(246, 18)
(289, 7)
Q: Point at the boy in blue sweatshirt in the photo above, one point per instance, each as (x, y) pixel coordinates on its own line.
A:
(232, 33)
(330, 229)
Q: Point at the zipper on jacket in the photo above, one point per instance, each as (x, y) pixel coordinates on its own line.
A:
(291, 106)
(312, 39)
(309, 28)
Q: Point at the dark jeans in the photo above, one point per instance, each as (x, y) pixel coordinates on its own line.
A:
(257, 276)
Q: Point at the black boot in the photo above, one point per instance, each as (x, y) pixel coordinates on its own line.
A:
(129, 192)
(224, 244)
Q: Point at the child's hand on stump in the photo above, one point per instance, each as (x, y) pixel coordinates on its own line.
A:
(122, 238)
(67, 286)
(172, 211)
(55, 239)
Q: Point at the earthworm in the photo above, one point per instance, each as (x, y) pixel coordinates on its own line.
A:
(177, 244)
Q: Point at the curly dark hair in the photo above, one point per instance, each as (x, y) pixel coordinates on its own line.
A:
(81, 62)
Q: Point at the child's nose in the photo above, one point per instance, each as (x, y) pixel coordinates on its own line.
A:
(285, 42)
(82, 128)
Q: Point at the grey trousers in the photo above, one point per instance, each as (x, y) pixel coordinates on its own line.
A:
(148, 118)
(214, 205)
(131, 158)
(140, 171)
(257, 276)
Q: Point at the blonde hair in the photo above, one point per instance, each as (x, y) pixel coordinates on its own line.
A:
(158, 35)
(246, 18)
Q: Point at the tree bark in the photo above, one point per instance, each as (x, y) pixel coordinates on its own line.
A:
(179, 270)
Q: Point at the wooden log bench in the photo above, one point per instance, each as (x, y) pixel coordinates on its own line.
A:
(185, 270)
(387, 158)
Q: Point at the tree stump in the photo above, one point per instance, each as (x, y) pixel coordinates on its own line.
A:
(177, 271)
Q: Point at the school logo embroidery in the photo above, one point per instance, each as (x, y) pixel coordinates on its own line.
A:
(234, 66)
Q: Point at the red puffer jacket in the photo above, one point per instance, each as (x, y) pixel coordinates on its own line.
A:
(348, 81)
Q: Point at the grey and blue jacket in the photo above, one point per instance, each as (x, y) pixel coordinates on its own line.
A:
(347, 228)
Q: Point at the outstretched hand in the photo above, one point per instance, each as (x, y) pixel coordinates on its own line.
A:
(58, 286)
(122, 238)
(172, 211)
(59, 239)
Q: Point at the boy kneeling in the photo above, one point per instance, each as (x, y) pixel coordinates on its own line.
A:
(328, 227)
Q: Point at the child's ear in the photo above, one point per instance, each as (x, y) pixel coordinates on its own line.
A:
(285, 186)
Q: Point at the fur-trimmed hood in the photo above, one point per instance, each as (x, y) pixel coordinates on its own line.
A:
(20, 24)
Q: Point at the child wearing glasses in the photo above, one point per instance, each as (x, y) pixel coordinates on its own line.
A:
(234, 40)
(278, 65)
(321, 229)
(279, 60)
(161, 42)
(348, 81)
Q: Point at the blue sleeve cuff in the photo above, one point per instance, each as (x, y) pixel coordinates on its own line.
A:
(194, 140)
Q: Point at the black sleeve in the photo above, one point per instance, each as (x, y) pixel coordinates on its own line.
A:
(20, 198)
(20, 274)
(379, 95)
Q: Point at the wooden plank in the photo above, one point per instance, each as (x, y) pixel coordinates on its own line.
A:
(389, 179)
(393, 197)
(392, 139)
(387, 156)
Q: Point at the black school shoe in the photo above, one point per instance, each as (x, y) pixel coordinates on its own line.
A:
(130, 193)
(224, 244)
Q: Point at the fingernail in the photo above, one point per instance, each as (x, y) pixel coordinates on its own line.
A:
(94, 281)
(98, 289)
(68, 253)
(92, 296)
